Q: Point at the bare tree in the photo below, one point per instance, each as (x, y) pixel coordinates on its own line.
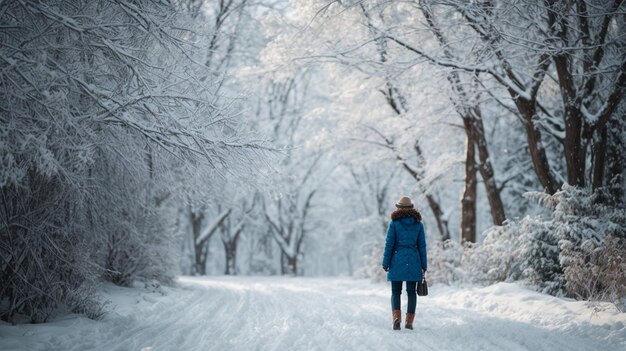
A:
(202, 233)
(231, 230)
(288, 217)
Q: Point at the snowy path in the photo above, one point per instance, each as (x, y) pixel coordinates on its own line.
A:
(278, 313)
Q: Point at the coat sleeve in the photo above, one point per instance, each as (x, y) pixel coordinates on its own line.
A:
(390, 242)
(421, 246)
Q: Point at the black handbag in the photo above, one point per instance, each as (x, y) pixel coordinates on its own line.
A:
(422, 287)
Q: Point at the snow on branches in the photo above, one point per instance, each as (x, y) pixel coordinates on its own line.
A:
(102, 103)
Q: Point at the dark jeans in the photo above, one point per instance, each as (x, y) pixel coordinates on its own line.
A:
(396, 291)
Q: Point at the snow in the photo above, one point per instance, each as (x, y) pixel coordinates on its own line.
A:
(282, 313)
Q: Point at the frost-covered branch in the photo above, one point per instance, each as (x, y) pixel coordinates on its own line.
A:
(210, 229)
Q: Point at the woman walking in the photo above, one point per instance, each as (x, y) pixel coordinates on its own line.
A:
(404, 258)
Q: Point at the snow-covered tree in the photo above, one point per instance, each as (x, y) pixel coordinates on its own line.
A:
(102, 101)
(540, 256)
(591, 237)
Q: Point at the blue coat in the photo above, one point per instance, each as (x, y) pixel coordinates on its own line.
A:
(405, 250)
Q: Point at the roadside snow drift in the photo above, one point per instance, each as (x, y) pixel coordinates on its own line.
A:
(280, 313)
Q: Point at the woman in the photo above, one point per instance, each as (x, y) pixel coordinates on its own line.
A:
(404, 258)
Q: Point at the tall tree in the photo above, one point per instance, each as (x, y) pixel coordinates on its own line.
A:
(570, 39)
(469, 110)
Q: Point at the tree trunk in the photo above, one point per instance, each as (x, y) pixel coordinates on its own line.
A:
(573, 143)
(198, 266)
(201, 257)
(486, 170)
(599, 160)
(468, 202)
(535, 144)
(293, 264)
(230, 248)
(199, 250)
(472, 120)
(289, 264)
(574, 149)
(616, 159)
(204, 255)
(230, 251)
(442, 224)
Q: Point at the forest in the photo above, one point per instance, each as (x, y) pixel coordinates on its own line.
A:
(143, 140)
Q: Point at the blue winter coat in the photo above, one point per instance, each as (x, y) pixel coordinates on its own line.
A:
(405, 249)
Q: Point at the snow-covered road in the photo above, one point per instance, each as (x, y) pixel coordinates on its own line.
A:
(280, 313)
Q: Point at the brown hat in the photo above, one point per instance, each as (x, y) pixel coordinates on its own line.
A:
(404, 202)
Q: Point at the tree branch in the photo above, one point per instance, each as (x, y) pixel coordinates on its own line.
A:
(439, 62)
(614, 99)
(209, 230)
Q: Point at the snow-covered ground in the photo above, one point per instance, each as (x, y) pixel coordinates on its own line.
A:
(281, 313)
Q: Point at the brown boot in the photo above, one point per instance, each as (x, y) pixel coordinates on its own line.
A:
(397, 317)
(409, 320)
